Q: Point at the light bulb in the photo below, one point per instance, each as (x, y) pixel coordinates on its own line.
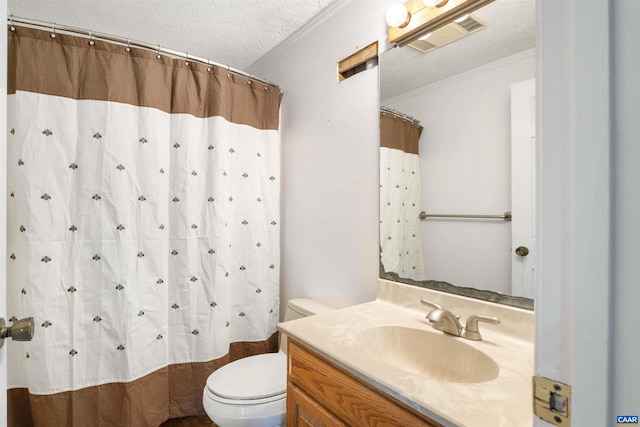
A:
(398, 15)
(425, 37)
(462, 18)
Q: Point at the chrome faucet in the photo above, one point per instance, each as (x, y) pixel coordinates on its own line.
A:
(471, 331)
(436, 325)
(449, 321)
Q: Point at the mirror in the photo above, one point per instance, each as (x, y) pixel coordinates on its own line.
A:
(461, 94)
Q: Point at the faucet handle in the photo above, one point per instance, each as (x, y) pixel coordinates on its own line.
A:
(428, 303)
(471, 330)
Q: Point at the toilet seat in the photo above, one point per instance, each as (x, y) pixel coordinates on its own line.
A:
(248, 392)
(245, 402)
(252, 380)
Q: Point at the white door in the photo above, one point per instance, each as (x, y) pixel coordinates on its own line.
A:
(523, 188)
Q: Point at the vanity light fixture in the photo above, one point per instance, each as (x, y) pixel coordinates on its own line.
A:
(421, 17)
(398, 15)
(434, 3)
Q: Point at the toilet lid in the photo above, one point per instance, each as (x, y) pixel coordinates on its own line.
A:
(254, 377)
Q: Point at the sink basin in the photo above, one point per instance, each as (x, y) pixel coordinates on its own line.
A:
(432, 355)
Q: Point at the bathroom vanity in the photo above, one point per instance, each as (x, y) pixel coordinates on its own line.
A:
(382, 363)
(319, 393)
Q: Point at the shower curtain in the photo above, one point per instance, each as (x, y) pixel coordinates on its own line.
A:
(400, 234)
(143, 229)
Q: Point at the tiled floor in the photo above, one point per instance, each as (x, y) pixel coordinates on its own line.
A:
(196, 421)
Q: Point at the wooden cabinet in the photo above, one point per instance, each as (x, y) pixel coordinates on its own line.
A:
(320, 394)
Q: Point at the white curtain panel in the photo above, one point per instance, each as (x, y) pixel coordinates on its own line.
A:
(400, 234)
(137, 239)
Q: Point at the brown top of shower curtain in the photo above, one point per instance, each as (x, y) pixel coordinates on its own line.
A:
(69, 66)
(398, 133)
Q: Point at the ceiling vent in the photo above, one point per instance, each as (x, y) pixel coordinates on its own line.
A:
(449, 33)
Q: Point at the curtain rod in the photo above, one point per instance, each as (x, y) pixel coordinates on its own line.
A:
(399, 114)
(52, 26)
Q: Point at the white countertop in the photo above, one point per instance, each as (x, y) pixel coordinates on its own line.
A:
(505, 400)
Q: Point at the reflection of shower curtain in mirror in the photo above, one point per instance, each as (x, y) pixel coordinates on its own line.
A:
(400, 236)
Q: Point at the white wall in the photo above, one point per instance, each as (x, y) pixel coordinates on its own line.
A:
(330, 140)
(465, 154)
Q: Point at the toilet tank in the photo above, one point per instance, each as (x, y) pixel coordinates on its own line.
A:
(298, 308)
(303, 307)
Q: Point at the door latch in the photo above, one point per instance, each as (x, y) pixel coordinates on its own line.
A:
(552, 401)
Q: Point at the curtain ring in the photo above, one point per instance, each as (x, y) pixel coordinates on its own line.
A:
(187, 61)
(128, 48)
(208, 65)
(158, 56)
(13, 27)
(250, 77)
(228, 71)
(53, 26)
(91, 42)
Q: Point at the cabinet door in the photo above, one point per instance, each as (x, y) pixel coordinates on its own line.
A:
(350, 399)
(302, 411)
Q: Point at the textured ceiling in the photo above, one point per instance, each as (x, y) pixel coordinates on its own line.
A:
(510, 30)
(229, 32)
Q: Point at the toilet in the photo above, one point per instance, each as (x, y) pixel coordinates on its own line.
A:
(251, 392)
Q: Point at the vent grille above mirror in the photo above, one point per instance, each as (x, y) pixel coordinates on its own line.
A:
(449, 33)
(471, 24)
